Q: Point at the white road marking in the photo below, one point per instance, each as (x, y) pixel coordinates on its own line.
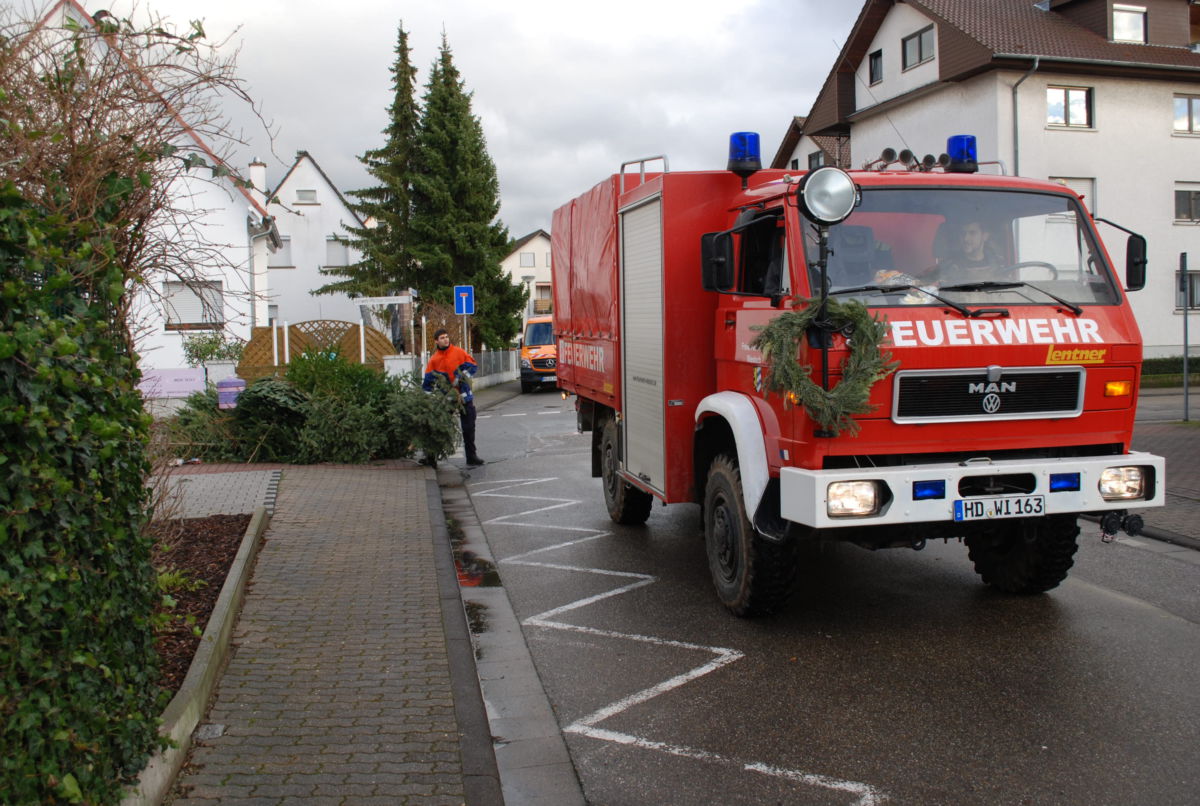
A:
(866, 794)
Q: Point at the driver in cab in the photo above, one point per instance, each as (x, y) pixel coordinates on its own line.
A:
(975, 258)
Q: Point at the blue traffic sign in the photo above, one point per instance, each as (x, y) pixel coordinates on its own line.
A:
(464, 300)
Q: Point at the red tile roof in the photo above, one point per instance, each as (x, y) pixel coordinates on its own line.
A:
(1018, 27)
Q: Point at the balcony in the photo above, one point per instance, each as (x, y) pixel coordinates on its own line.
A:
(543, 306)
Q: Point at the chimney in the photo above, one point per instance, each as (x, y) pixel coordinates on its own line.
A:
(258, 178)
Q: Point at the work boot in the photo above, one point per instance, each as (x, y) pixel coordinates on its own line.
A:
(474, 461)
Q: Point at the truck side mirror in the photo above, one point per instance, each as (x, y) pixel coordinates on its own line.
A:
(1135, 263)
(716, 261)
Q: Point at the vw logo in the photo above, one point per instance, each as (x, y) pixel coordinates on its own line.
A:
(991, 403)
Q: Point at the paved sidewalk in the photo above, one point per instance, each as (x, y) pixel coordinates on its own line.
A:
(340, 688)
(1179, 443)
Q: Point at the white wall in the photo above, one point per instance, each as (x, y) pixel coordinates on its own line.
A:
(924, 124)
(1135, 159)
(308, 226)
(221, 230)
(903, 20)
(511, 265)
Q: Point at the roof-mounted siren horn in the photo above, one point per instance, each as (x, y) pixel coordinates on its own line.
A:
(745, 156)
(963, 155)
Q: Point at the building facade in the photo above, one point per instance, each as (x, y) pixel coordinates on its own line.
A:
(528, 265)
(1101, 96)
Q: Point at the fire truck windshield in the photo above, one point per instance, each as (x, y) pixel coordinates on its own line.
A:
(967, 246)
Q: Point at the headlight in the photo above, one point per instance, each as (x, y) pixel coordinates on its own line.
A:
(827, 195)
(1122, 483)
(525, 364)
(847, 499)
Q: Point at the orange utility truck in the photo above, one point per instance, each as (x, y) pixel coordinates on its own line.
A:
(539, 356)
(881, 357)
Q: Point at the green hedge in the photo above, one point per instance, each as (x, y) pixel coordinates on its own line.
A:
(325, 409)
(78, 696)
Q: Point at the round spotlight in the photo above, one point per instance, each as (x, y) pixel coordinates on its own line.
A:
(888, 155)
(827, 195)
(908, 158)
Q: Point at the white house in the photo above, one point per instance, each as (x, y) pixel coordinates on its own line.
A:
(312, 217)
(226, 233)
(1100, 95)
(528, 264)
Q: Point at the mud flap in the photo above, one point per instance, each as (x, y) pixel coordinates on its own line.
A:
(767, 520)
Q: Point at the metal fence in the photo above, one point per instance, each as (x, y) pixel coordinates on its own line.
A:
(496, 362)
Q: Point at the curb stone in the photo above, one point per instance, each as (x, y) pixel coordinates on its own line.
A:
(187, 707)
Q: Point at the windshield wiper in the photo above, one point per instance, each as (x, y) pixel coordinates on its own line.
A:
(907, 287)
(992, 285)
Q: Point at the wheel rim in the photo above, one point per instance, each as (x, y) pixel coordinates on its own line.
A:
(724, 540)
(610, 472)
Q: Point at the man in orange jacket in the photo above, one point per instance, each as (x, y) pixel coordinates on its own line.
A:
(455, 365)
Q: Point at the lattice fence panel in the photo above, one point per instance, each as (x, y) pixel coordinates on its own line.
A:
(258, 359)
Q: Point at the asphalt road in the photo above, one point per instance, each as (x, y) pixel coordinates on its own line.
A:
(892, 677)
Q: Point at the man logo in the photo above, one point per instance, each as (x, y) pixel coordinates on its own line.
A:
(991, 403)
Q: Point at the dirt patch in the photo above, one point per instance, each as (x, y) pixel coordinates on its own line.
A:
(202, 551)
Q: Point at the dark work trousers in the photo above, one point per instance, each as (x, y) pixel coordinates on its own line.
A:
(467, 418)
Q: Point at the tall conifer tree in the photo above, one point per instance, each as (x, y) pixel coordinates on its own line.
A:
(456, 235)
(387, 266)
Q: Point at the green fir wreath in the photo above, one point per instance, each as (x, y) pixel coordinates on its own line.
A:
(782, 340)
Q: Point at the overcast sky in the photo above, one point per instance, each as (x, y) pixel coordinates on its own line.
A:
(566, 91)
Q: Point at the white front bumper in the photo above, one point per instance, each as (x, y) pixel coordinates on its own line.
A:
(802, 493)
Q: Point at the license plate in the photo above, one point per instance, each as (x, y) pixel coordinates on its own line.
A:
(1010, 506)
(548, 378)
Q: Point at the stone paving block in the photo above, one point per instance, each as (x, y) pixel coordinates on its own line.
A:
(340, 659)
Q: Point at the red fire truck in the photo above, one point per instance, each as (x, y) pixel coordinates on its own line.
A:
(1006, 410)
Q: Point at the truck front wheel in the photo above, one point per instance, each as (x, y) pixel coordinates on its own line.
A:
(1031, 556)
(753, 576)
(626, 503)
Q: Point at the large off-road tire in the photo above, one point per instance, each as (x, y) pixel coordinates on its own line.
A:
(753, 576)
(626, 503)
(1028, 556)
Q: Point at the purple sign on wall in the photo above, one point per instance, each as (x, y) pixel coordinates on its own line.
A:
(160, 383)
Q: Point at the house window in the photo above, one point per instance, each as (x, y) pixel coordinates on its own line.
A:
(1187, 114)
(306, 197)
(272, 314)
(1187, 203)
(918, 48)
(337, 252)
(281, 258)
(1129, 23)
(875, 66)
(193, 305)
(795, 164)
(547, 260)
(1187, 289)
(1069, 106)
(816, 160)
(1085, 186)
(528, 260)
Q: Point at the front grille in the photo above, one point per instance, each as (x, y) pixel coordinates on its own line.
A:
(1024, 393)
(544, 363)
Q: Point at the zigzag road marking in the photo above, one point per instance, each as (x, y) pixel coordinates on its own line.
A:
(865, 794)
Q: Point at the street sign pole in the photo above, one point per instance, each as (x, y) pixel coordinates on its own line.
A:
(1187, 310)
(464, 306)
